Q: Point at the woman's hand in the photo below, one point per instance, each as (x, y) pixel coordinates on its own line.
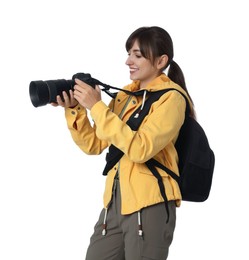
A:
(85, 94)
(69, 101)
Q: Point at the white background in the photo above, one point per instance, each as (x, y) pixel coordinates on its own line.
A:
(50, 191)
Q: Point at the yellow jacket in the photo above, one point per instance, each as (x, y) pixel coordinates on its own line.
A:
(155, 138)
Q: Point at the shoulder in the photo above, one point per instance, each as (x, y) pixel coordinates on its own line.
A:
(172, 97)
(176, 93)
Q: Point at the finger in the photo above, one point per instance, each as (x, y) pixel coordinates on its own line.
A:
(54, 104)
(80, 83)
(76, 93)
(59, 101)
(78, 88)
(66, 98)
(98, 88)
(71, 94)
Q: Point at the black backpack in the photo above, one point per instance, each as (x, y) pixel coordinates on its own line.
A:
(196, 158)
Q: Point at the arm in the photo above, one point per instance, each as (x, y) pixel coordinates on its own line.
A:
(83, 133)
(158, 129)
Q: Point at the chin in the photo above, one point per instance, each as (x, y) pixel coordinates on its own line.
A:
(132, 77)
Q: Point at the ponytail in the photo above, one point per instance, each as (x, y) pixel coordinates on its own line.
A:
(175, 74)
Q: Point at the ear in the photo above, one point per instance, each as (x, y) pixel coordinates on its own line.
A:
(162, 61)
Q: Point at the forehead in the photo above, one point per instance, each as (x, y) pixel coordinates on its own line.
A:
(135, 47)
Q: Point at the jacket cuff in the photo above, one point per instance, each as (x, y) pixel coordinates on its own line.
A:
(73, 113)
(97, 109)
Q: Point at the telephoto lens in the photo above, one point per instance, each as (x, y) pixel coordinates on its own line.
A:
(45, 92)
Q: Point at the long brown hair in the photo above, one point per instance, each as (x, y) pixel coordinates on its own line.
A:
(154, 42)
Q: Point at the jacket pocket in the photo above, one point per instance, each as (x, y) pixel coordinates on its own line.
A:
(142, 168)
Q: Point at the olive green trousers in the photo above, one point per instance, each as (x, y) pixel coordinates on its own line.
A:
(142, 235)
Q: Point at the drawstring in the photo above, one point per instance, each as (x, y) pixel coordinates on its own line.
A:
(104, 223)
(144, 98)
(140, 230)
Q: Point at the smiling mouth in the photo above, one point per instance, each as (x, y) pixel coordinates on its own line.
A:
(132, 70)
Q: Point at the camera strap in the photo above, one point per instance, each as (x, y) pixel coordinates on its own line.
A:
(107, 88)
(87, 78)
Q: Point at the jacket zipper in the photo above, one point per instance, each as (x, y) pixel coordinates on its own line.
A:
(125, 106)
(120, 116)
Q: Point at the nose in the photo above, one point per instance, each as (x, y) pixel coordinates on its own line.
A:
(128, 61)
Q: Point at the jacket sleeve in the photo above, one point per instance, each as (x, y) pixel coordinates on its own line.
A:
(159, 128)
(83, 131)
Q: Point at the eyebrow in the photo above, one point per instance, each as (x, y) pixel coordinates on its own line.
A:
(137, 50)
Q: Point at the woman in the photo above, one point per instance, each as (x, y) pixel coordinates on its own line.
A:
(133, 223)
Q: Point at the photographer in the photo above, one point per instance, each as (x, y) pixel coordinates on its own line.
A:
(133, 223)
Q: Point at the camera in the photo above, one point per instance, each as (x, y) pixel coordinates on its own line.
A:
(45, 92)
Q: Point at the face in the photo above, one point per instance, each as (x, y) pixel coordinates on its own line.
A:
(141, 68)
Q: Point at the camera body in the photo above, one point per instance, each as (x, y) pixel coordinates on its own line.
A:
(45, 92)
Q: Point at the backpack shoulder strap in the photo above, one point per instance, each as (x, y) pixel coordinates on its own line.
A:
(135, 120)
(139, 114)
(152, 164)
